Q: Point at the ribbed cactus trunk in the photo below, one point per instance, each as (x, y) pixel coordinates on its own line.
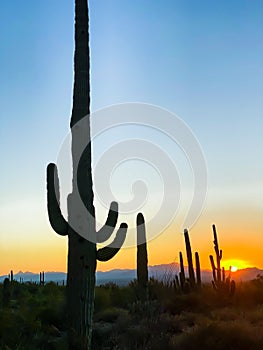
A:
(82, 252)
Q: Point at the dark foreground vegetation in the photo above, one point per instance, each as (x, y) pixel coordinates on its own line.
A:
(33, 316)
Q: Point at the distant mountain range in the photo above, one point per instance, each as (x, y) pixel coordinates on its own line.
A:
(163, 272)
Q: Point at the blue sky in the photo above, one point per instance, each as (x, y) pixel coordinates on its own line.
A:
(199, 59)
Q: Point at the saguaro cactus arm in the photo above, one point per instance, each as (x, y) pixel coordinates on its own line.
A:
(106, 231)
(107, 253)
(57, 221)
(213, 267)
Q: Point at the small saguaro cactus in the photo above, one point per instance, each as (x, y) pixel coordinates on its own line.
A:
(198, 270)
(222, 284)
(11, 276)
(42, 278)
(192, 282)
(181, 273)
(82, 252)
(142, 258)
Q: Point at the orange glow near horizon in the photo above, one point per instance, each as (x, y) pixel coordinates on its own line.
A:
(234, 269)
(235, 264)
(48, 251)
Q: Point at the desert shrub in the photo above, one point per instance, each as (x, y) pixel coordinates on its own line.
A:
(160, 290)
(254, 315)
(149, 333)
(51, 289)
(52, 314)
(102, 299)
(33, 288)
(108, 324)
(111, 295)
(145, 309)
(17, 330)
(250, 293)
(234, 335)
(109, 315)
(35, 318)
(121, 296)
(30, 316)
(6, 293)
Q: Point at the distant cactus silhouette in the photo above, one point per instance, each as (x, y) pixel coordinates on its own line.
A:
(42, 278)
(11, 276)
(181, 273)
(220, 283)
(82, 253)
(189, 259)
(142, 258)
(198, 270)
(192, 282)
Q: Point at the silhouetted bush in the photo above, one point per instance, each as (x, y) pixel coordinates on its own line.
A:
(35, 318)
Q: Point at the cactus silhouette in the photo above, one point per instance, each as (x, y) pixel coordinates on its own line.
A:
(193, 282)
(181, 273)
(198, 270)
(11, 276)
(82, 253)
(42, 278)
(222, 284)
(189, 259)
(142, 258)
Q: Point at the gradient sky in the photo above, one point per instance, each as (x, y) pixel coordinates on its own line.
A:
(202, 60)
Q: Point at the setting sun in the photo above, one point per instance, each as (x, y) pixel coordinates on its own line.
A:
(235, 264)
(234, 268)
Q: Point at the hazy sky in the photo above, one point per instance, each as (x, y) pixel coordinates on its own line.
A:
(202, 60)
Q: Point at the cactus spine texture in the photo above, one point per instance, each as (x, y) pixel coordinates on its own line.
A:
(82, 253)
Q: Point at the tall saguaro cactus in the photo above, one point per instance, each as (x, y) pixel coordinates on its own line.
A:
(142, 257)
(82, 250)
